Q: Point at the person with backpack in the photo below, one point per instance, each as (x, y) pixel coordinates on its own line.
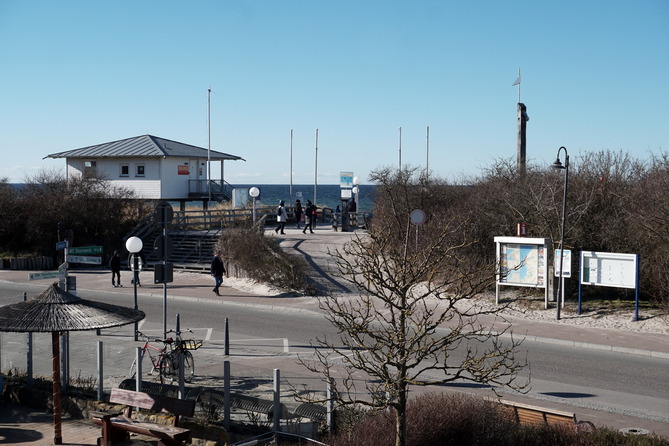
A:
(309, 217)
(281, 218)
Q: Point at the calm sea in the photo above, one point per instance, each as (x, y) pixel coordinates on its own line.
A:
(327, 195)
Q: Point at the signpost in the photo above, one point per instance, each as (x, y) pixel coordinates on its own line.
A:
(85, 250)
(44, 275)
(85, 259)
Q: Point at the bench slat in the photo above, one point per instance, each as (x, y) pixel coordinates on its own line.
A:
(152, 402)
(115, 428)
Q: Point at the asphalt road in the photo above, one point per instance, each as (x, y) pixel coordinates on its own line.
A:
(267, 338)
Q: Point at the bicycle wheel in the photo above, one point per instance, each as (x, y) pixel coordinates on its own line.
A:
(166, 369)
(189, 366)
(133, 369)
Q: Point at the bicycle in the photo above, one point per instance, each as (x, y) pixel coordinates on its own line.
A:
(169, 363)
(166, 359)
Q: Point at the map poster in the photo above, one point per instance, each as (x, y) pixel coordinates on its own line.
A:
(522, 261)
(522, 265)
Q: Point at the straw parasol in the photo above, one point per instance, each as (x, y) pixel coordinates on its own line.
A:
(55, 310)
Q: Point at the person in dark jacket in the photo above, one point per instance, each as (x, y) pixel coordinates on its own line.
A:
(115, 266)
(217, 270)
(298, 213)
(309, 217)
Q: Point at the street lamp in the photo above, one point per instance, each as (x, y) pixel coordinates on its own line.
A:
(557, 165)
(254, 192)
(134, 246)
(356, 191)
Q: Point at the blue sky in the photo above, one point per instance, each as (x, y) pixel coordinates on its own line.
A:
(77, 73)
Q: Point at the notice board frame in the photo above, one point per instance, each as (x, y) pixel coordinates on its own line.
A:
(541, 247)
(611, 269)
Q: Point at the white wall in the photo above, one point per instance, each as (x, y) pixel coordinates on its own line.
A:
(161, 179)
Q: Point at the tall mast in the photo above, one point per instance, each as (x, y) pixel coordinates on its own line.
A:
(208, 144)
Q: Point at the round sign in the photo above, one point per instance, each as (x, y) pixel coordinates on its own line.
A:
(163, 213)
(254, 192)
(417, 217)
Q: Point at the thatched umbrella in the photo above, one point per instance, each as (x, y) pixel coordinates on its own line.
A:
(55, 311)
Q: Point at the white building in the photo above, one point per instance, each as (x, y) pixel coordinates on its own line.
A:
(154, 168)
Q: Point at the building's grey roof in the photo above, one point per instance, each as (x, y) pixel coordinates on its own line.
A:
(143, 146)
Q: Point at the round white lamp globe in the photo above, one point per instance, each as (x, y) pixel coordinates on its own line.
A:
(134, 244)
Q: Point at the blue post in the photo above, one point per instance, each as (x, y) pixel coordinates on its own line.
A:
(580, 288)
(636, 291)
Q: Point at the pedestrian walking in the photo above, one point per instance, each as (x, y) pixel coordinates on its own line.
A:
(281, 218)
(217, 270)
(115, 266)
(335, 218)
(309, 217)
(140, 264)
(298, 213)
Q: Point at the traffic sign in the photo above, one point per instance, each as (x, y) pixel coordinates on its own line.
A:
(163, 247)
(44, 275)
(85, 259)
(61, 245)
(163, 213)
(84, 250)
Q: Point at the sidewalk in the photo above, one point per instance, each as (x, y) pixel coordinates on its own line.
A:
(19, 425)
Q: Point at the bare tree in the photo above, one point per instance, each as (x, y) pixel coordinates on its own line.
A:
(412, 323)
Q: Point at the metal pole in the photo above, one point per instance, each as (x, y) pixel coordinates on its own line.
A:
(227, 339)
(315, 169)
(29, 352)
(138, 360)
(277, 400)
(291, 167)
(400, 151)
(135, 273)
(100, 371)
(226, 395)
(564, 219)
(209, 143)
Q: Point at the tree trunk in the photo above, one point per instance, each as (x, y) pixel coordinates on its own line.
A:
(401, 415)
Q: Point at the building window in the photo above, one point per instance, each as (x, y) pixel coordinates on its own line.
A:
(125, 170)
(90, 169)
(139, 170)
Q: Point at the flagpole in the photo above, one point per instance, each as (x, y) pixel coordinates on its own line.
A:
(316, 168)
(400, 149)
(291, 166)
(427, 153)
(208, 145)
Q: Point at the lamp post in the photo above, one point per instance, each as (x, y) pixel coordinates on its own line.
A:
(134, 246)
(254, 192)
(557, 165)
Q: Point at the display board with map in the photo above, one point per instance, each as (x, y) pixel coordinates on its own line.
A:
(522, 261)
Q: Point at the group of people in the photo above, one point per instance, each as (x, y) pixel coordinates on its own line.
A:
(307, 215)
(115, 267)
(217, 270)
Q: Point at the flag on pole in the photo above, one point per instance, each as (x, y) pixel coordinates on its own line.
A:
(517, 81)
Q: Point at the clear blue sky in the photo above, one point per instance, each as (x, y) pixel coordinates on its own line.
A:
(595, 76)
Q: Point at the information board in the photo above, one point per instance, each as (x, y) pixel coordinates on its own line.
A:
(522, 261)
(522, 264)
(609, 269)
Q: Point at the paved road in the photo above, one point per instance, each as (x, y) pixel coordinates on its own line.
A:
(268, 331)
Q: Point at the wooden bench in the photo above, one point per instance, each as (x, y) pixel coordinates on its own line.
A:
(117, 426)
(528, 414)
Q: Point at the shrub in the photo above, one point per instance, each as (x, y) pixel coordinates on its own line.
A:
(262, 259)
(456, 419)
